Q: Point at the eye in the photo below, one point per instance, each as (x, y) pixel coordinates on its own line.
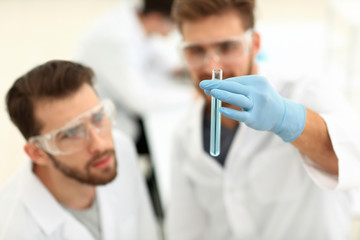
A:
(98, 117)
(71, 132)
(229, 46)
(194, 51)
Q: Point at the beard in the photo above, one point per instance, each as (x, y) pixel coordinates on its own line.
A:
(86, 176)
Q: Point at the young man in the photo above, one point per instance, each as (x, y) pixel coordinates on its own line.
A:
(83, 181)
(135, 68)
(259, 186)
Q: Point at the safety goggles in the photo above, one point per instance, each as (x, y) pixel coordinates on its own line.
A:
(227, 50)
(74, 135)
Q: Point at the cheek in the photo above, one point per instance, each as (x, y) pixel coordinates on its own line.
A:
(237, 68)
(77, 160)
(199, 74)
(194, 75)
(196, 79)
(110, 141)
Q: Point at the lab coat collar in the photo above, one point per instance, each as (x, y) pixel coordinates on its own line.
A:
(40, 203)
(195, 127)
(108, 223)
(45, 209)
(118, 220)
(123, 222)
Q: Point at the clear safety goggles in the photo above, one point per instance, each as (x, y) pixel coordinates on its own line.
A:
(227, 50)
(74, 135)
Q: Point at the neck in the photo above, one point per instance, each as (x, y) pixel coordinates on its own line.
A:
(66, 191)
(145, 23)
(229, 123)
(253, 68)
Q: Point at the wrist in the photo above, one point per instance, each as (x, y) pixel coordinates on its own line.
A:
(293, 121)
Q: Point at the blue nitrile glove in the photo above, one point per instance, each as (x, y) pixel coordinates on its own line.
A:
(263, 108)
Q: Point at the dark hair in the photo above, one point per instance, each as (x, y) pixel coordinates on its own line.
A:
(190, 10)
(160, 6)
(54, 79)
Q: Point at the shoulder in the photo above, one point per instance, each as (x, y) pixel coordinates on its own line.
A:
(187, 133)
(12, 187)
(292, 83)
(281, 77)
(123, 143)
(125, 152)
(191, 118)
(14, 215)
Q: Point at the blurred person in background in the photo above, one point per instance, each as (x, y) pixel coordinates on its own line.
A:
(83, 180)
(286, 141)
(132, 49)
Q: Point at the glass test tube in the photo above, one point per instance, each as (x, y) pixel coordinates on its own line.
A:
(215, 126)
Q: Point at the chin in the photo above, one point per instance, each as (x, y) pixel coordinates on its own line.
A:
(103, 176)
(107, 177)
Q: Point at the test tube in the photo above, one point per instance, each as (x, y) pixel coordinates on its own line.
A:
(215, 126)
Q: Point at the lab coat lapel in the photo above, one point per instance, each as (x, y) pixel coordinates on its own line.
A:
(40, 203)
(196, 139)
(106, 213)
(75, 230)
(47, 212)
(239, 141)
(117, 222)
(236, 167)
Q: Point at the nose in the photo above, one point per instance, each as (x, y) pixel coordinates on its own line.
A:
(96, 142)
(211, 61)
(211, 56)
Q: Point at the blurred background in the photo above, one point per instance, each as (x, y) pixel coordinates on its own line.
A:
(309, 36)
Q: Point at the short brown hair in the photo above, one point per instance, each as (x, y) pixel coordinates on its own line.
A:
(54, 79)
(159, 6)
(190, 10)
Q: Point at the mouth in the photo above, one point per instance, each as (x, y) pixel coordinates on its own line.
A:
(103, 162)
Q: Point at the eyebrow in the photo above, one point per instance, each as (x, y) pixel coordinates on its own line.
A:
(72, 122)
(207, 42)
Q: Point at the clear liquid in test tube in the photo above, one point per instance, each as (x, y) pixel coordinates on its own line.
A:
(215, 125)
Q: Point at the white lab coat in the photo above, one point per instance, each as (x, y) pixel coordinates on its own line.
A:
(264, 191)
(29, 211)
(132, 69)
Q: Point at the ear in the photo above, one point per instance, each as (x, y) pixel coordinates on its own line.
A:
(256, 39)
(155, 17)
(36, 154)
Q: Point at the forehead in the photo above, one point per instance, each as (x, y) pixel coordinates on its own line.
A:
(54, 113)
(222, 25)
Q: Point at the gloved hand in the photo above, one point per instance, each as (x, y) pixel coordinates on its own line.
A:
(262, 107)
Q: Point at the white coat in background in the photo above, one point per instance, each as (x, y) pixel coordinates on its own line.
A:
(28, 211)
(132, 69)
(267, 189)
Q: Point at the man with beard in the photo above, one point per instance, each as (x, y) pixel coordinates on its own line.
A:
(83, 181)
(260, 186)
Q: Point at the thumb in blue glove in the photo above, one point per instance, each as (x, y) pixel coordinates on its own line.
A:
(262, 107)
